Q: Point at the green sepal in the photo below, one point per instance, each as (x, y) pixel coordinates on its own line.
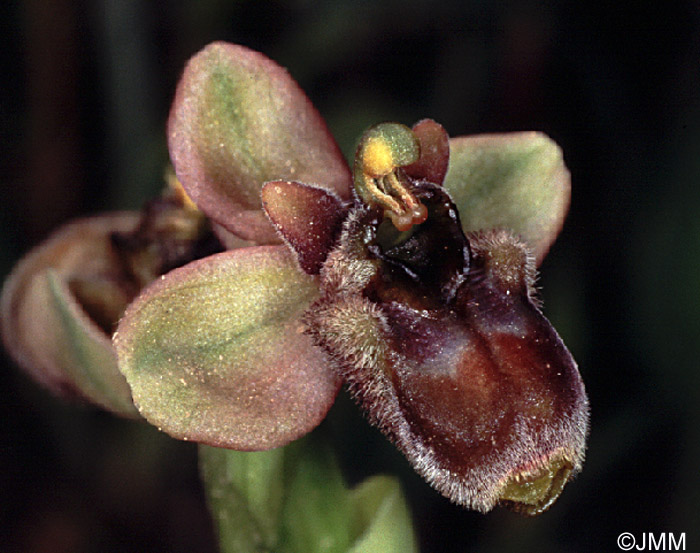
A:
(514, 181)
(238, 121)
(215, 353)
(50, 332)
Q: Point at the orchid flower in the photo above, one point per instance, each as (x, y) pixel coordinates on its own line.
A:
(409, 277)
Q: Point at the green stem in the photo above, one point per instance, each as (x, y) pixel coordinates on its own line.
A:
(294, 500)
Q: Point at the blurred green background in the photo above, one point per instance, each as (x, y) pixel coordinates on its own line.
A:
(84, 97)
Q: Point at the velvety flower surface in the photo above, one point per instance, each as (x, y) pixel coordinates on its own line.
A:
(409, 277)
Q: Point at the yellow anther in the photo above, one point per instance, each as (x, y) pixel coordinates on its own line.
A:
(379, 180)
(377, 158)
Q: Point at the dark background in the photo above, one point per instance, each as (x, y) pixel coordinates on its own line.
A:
(86, 87)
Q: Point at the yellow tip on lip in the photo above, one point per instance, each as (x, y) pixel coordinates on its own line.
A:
(534, 492)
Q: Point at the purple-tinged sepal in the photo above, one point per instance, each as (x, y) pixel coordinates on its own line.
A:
(214, 351)
(239, 120)
(516, 181)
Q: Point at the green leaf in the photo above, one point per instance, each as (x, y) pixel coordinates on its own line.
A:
(239, 120)
(516, 181)
(48, 331)
(214, 351)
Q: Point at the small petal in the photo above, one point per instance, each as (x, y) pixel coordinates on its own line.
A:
(45, 326)
(516, 181)
(214, 351)
(238, 121)
(307, 217)
(434, 152)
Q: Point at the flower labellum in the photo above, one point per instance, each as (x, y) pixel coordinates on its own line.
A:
(440, 338)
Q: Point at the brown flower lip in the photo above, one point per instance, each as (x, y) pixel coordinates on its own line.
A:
(452, 358)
